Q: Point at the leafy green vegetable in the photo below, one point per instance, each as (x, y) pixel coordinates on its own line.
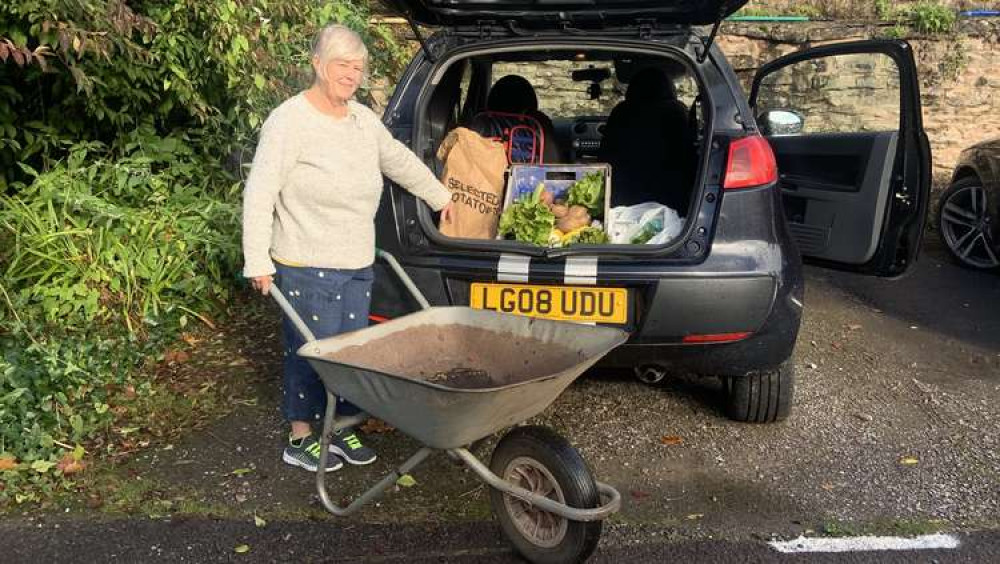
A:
(528, 219)
(588, 192)
(588, 236)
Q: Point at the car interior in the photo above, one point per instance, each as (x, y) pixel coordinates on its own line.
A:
(642, 115)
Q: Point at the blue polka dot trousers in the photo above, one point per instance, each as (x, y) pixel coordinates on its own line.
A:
(330, 301)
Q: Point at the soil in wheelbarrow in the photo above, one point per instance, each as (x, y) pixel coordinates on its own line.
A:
(459, 356)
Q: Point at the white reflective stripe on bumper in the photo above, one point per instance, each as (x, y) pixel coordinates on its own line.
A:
(513, 268)
(581, 271)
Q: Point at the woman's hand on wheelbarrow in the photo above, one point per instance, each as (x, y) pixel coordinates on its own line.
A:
(262, 283)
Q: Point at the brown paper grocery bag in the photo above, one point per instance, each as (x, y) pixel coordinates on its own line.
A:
(473, 171)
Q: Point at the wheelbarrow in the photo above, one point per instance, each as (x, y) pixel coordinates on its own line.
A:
(452, 376)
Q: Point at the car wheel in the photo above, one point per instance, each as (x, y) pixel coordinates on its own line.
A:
(763, 396)
(966, 226)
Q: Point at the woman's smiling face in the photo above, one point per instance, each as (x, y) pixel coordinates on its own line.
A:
(343, 77)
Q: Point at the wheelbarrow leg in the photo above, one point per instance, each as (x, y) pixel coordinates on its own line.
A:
(329, 425)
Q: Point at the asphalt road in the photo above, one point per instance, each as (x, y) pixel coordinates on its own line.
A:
(215, 541)
(895, 431)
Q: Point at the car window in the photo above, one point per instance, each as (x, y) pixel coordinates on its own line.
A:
(561, 96)
(849, 93)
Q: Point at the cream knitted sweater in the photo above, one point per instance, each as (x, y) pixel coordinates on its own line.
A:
(315, 185)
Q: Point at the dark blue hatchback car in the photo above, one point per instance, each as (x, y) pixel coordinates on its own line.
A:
(825, 159)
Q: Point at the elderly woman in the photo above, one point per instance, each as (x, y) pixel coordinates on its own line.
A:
(308, 222)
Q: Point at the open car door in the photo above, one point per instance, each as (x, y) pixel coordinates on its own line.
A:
(844, 121)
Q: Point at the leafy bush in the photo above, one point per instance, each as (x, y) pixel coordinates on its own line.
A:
(76, 70)
(104, 259)
(931, 17)
(119, 219)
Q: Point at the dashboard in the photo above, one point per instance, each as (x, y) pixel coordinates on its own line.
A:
(581, 136)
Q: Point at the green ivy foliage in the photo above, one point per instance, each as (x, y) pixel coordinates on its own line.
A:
(119, 200)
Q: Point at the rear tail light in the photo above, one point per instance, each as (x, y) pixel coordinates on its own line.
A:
(751, 163)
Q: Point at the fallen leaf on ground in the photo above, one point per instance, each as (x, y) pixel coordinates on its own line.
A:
(242, 549)
(376, 426)
(8, 463)
(241, 471)
(174, 356)
(70, 464)
(695, 516)
(406, 481)
(827, 486)
(671, 440)
(190, 339)
(854, 327)
(909, 460)
(259, 521)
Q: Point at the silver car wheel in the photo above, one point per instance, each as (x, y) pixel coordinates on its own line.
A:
(966, 227)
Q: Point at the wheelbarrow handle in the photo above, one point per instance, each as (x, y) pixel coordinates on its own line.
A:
(286, 307)
(404, 278)
(291, 313)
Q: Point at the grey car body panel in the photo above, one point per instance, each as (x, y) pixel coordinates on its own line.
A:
(712, 306)
(983, 161)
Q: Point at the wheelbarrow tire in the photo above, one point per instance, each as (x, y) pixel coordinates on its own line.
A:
(535, 444)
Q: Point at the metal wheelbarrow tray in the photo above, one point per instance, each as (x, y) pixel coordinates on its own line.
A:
(450, 376)
(520, 367)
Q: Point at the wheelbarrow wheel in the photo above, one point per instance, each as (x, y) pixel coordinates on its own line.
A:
(539, 460)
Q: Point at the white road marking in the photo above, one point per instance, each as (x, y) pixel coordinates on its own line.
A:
(863, 544)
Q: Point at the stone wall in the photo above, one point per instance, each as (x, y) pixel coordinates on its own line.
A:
(559, 95)
(959, 74)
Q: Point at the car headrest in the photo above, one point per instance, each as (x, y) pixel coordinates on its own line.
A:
(650, 85)
(513, 94)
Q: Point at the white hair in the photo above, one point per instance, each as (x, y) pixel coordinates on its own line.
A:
(337, 41)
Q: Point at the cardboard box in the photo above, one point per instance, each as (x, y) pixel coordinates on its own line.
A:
(524, 178)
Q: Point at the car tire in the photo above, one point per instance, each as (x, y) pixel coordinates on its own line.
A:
(965, 225)
(763, 396)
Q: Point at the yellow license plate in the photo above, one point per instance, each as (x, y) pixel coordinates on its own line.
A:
(565, 303)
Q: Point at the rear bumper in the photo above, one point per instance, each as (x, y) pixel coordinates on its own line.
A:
(768, 346)
(767, 306)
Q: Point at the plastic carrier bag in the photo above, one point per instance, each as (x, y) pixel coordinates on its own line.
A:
(648, 223)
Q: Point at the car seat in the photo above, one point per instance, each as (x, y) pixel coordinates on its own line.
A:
(512, 116)
(647, 142)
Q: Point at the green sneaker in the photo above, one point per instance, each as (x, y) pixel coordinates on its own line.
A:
(304, 453)
(347, 444)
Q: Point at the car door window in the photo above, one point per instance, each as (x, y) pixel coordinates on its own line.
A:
(850, 93)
